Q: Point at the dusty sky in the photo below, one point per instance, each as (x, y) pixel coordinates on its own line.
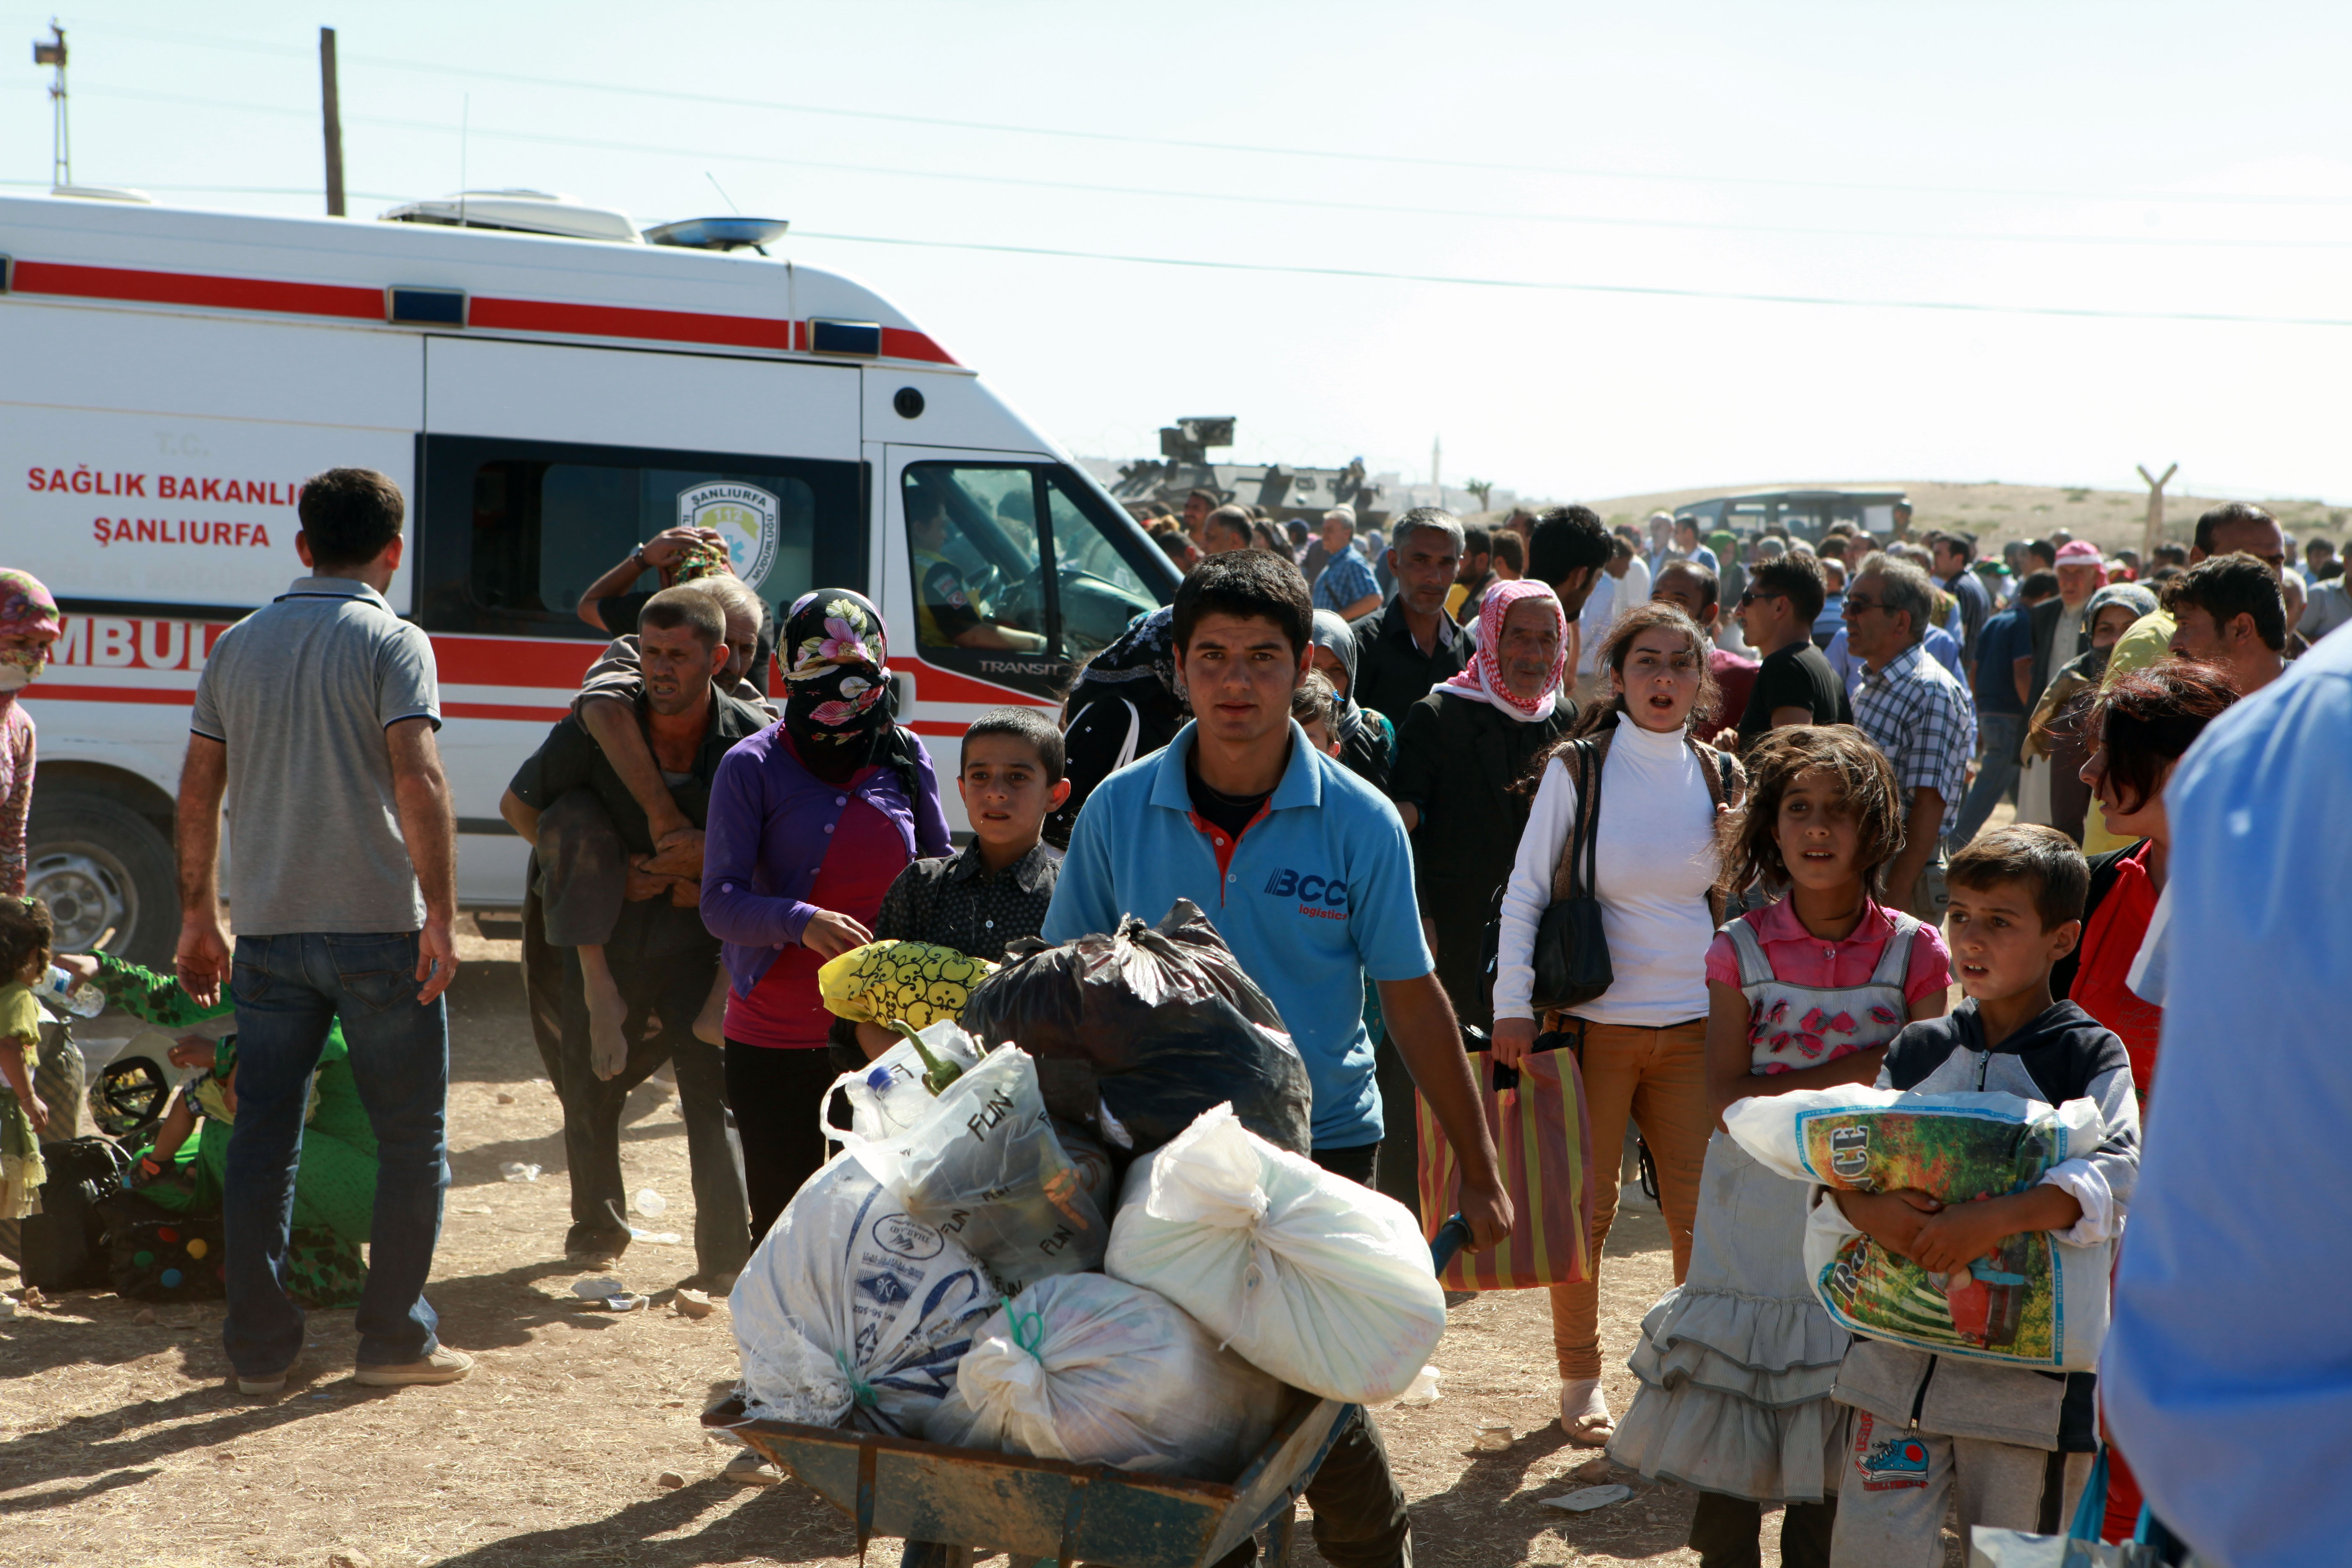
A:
(2161, 162)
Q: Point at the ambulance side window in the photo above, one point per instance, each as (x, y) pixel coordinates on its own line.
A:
(513, 532)
(972, 540)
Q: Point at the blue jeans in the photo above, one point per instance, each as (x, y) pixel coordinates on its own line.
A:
(288, 990)
(1999, 735)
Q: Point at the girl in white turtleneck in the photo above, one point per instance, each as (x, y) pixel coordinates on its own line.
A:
(1643, 1049)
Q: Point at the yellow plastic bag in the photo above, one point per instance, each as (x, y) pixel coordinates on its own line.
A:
(916, 982)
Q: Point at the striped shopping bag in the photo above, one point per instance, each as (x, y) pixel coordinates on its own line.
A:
(1545, 1146)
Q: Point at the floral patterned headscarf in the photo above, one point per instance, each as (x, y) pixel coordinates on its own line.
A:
(836, 658)
(25, 610)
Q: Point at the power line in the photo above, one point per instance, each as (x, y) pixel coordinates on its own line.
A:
(1543, 286)
(1596, 220)
(1187, 145)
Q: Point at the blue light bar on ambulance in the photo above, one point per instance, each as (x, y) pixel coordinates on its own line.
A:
(862, 338)
(424, 307)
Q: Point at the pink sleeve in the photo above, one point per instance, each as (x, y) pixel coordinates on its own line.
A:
(1931, 964)
(1723, 962)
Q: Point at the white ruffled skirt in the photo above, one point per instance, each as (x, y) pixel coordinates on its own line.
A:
(1735, 1364)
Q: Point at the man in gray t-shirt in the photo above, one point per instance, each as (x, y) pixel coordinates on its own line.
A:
(314, 719)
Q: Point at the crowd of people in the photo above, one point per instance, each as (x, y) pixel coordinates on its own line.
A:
(1418, 782)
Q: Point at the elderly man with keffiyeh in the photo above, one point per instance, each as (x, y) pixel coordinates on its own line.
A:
(1461, 751)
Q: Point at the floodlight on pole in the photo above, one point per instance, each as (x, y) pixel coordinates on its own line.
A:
(52, 53)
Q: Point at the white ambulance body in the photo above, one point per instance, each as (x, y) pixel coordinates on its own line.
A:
(169, 377)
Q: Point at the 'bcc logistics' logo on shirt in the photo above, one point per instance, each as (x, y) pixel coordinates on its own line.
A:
(1324, 897)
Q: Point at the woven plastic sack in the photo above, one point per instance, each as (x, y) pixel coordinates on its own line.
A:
(1322, 1282)
(853, 1313)
(2038, 1302)
(1137, 1032)
(984, 1166)
(916, 982)
(1086, 1369)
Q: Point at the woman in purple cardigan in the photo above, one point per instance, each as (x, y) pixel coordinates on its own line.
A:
(810, 821)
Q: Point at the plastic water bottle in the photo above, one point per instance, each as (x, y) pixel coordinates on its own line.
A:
(79, 997)
(650, 1202)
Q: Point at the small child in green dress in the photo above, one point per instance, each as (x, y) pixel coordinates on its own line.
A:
(24, 935)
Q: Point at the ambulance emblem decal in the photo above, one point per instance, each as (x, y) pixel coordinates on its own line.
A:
(747, 517)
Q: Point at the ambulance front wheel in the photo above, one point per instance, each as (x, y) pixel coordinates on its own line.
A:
(107, 873)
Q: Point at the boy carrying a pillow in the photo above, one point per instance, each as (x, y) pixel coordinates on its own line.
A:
(2013, 1444)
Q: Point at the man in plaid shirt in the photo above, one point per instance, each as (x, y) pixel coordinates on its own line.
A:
(1914, 710)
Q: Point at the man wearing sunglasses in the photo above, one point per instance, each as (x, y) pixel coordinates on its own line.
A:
(1794, 685)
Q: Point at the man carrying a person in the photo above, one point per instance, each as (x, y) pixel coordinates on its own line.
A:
(605, 882)
(1914, 712)
(314, 717)
(679, 555)
(1240, 814)
(1410, 644)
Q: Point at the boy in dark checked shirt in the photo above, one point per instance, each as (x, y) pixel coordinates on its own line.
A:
(994, 891)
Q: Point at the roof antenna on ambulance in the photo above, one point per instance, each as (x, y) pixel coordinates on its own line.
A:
(53, 54)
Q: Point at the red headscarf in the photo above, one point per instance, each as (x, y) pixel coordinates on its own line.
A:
(1483, 681)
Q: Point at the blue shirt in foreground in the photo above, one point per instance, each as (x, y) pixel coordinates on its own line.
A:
(2227, 1371)
(1316, 894)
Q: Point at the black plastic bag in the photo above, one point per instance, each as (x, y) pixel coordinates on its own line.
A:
(64, 1245)
(1152, 1024)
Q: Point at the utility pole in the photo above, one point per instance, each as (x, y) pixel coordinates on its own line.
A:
(330, 105)
(53, 54)
(1436, 473)
(2154, 535)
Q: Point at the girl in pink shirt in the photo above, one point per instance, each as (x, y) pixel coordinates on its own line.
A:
(1737, 1363)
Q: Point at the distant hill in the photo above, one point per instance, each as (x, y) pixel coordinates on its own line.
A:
(1996, 513)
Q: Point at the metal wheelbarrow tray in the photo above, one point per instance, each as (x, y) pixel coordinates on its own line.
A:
(947, 1502)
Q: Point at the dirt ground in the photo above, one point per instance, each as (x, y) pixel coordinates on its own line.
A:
(121, 1445)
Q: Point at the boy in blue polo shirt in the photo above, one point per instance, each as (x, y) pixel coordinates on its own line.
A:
(1305, 871)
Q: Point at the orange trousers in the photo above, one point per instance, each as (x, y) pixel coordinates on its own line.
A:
(1658, 1076)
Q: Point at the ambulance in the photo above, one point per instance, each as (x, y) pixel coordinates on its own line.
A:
(550, 387)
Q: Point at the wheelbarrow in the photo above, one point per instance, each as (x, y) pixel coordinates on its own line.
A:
(951, 1503)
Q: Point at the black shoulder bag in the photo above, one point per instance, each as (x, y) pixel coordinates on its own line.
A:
(1571, 949)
